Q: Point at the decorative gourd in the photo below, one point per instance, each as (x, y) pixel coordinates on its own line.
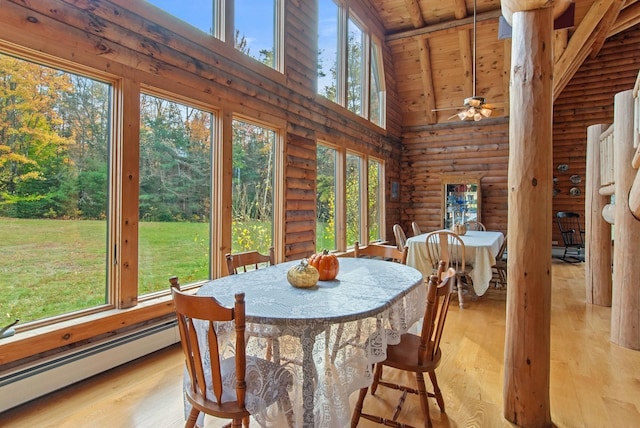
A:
(303, 275)
(459, 228)
(326, 263)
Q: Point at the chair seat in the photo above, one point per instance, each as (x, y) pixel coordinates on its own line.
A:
(404, 355)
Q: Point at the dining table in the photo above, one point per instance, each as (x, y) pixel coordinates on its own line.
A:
(481, 248)
(328, 336)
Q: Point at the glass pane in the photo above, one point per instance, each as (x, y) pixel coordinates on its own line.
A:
(54, 175)
(252, 192)
(326, 199)
(355, 64)
(328, 49)
(198, 13)
(376, 95)
(175, 193)
(353, 199)
(255, 27)
(374, 200)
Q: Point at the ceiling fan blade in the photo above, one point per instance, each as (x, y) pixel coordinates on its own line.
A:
(448, 108)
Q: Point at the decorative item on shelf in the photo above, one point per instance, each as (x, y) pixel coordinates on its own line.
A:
(327, 265)
(575, 179)
(563, 167)
(555, 180)
(459, 229)
(303, 275)
(574, 191)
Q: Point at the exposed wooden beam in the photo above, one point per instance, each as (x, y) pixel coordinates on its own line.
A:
(486, 16)
(427, 80)
(460, 9)
(415, 13)
(605, 25)
(581, 41)
(466, 59)
(628, 17)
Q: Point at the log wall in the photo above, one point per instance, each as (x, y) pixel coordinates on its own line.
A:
(588, 100)
(481, 148)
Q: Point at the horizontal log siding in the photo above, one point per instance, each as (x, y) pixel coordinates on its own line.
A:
(474, 149)
(588, 100)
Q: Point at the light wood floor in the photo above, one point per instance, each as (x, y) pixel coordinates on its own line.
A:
(594, 383)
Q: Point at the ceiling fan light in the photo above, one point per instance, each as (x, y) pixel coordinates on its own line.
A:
(471, 112)
(477, 117)
(486, 112)
(462, 115)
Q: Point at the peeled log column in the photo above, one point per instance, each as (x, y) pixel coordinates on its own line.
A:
(527, 341)
(598, 236)
(625, 308)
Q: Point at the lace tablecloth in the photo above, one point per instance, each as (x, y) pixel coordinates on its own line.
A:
(328, 336)
(480, 252)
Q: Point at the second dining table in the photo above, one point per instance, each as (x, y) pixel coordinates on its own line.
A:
(330, 335)
(481, 248)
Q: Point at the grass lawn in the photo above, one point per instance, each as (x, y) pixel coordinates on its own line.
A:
(52, 267)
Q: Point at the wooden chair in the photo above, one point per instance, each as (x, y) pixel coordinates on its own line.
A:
(248, 260)
(416, 228)
(499, 269)
(475, 225)
(572, 236)
(384, 252)
(448, 246)
(401, 237)
(217, 386)
(415, 354)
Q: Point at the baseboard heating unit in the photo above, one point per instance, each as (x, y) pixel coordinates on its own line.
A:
(42, 377)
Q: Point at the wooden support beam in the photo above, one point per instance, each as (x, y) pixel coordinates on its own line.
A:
(582, 40)
(602, 32)
(460, 9)
(415, 12)
(466, 59)
(427, 80)
(625, 308)
(528, 323)
(598, 256)
(628, 17)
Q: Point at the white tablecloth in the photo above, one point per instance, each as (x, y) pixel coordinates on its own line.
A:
(371, 300)
(480, 251)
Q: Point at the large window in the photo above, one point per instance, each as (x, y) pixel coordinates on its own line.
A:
(175, 193)
(54, 163)
(254, 26)
(350, 66)
(253, 198)
(350, 198)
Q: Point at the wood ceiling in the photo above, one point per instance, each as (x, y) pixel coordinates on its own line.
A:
(431, 42)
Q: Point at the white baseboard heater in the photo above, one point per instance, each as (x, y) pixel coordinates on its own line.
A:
(26, 383)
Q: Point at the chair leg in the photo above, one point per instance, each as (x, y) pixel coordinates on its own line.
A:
(460, 292)
(376, 378)
(193, 417)
(424, 403)
(357, 411)
(436, 390)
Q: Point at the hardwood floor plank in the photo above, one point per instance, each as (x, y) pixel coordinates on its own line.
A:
(594, 383)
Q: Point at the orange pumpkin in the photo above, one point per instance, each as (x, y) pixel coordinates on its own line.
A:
(326, 263)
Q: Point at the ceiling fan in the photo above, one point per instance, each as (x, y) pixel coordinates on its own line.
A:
(474, 108)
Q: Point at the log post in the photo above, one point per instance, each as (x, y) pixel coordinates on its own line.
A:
(598, 237)
(625, 308)
(530, 181)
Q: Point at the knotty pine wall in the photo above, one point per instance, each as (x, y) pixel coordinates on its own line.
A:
(137, 42)
(482, 149)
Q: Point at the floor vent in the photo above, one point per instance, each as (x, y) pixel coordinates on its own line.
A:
(26, 383)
